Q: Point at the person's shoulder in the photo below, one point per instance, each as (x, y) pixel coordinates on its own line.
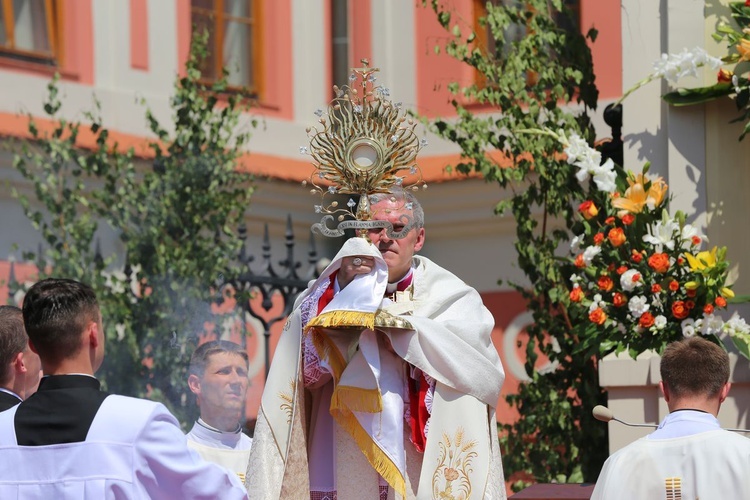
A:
(246, 441)
(735, 438)
(430, 269)
(130, 406)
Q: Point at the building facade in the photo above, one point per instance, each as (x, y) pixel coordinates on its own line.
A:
(290, 53)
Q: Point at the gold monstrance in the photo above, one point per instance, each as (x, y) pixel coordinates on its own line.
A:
(367, 146)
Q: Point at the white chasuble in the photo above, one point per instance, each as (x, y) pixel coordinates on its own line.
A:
(348, 433)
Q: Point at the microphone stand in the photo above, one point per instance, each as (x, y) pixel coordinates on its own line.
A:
(604, 414)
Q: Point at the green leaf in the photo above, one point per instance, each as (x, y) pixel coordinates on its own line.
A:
(742, 345)
(687, 97)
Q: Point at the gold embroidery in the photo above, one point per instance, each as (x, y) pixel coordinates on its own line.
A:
(673, 486)
(288, 402)
(450, 481)
(384, 319)
(241, 475)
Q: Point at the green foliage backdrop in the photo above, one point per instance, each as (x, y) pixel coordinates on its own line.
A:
(175, 216)
(530, 82)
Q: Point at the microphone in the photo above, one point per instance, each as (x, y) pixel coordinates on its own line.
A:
(604, 414)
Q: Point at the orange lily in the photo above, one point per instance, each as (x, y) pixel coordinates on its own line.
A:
(744, 49)
(636, 197)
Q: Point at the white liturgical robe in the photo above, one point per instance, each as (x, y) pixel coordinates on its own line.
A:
(689, 457)
(357, 418)
(134, 449)
(231, 450)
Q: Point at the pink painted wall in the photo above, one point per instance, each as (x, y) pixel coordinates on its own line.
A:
(139, 35)
(436, 71)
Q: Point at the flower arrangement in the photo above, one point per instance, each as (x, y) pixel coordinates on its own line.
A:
(733, 82)
(640, 278)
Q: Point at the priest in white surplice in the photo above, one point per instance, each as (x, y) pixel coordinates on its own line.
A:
(403, 407)
(689, 456)
(218, 378)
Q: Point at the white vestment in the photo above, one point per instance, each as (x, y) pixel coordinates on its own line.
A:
(231, 450)
(369, 344)
(702, 462)
(134, 449)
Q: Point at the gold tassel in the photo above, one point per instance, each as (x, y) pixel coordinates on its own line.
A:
(377, 458)
(343, 319)
(328, 351)
(356, 399)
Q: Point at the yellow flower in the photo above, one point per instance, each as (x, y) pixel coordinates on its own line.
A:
(702, 261)
(691, 285)
(744, 49)
(727, 293)
(636, 196)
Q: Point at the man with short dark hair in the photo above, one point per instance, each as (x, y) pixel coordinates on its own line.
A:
(218, 378)
(20, 368)
(689, 455)
(70, 440)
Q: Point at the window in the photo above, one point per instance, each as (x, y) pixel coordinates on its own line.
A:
(340, 42)
(234, 40)
(516, 32)
(28, 30)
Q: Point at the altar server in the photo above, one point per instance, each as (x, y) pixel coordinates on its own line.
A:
(689, 456)
(20, 368)
(70, 440)
(218, 378)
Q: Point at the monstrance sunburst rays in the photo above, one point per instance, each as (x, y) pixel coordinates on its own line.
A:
(366, 141)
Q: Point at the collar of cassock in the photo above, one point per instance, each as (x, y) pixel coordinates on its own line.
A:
(401, 284)
(210, 433)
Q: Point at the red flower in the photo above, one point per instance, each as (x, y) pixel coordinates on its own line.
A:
(622, 269)
(655, 288)
(659, 262)
(576, 294)
(636, 278)
(616, 236)
(598, 238)
(690, 304)
(646, 320)
(598, 316)
(696, 240)
(708, 309)
(680, 310)
(628, 219)
(721, 301)
(579, 261)
(674, 286)
(605, 283)
(619, 299)
(609, 220)
(691, 293)
(610, 267)
(725, 76)
(588, 209)
(636, 256)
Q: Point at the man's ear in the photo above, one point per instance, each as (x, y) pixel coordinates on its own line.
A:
(664, 390)
(93, 334)
(724, 392)
(19, 364)
(420, 240)
(195, 384)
